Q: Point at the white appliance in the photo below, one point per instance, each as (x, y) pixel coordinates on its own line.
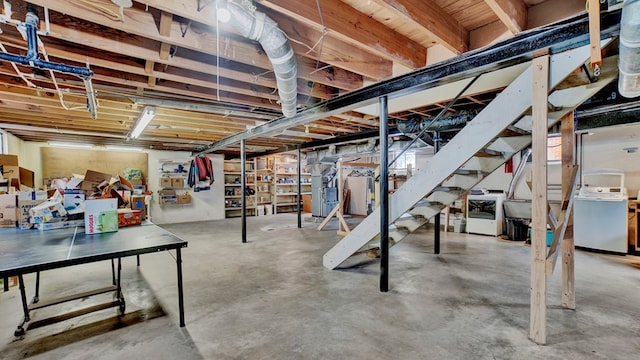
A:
(600, 212)
(484, 214)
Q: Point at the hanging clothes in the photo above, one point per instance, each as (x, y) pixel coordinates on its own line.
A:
(201, 169)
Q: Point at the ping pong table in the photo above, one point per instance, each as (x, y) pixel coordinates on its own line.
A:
(32, 251)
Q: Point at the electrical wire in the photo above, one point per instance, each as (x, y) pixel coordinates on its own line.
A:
(20, 73)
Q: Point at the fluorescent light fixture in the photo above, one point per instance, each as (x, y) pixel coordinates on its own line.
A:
(123, 148)
(145, 118)
(70, 145)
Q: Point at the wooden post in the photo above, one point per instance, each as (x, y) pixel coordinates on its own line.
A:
(594, 36)
(340, 195)
(538, 315)
(568, 249)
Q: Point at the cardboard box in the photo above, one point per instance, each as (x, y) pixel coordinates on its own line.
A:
(48, 211)
(27, 177)
(9, 166)
(165, 182)
(138, 203)
(177, 182)
(59, 225)
(8, 210)
(135, 182)
(94, 179)
(167, 196)
(73, 201)
(128, 217)
(139, 189)
(27, 200)
(184, 199)
(101, 216)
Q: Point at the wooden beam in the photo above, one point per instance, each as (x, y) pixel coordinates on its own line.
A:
(328, 218)
(166, 20)
(142, 34)
(567, 129)
(435, 20)
(538, 306)
(512, 13)
(330, 50)
(594, 33)
(559, 232)
(349, 25)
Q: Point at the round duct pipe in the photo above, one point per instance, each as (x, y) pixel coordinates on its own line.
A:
(629, 59)
(256, 25)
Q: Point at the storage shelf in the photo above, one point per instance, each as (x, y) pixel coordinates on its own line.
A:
(293, 193)
(240, 208)
(286, 204)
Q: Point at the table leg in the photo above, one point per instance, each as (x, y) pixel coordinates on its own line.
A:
(138, 259)
(180, 293)
(119, 288)
(25, 307)
(36, 298)
(6, 284)
(113, 273)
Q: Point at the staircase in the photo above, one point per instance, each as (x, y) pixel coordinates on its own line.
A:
(498, 132)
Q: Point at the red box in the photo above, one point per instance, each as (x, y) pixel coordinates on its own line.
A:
(128, 217)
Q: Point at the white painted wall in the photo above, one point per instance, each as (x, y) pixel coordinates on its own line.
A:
(206, 205)
(602, 149)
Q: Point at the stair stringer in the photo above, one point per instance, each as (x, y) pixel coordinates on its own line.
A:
(510, 104)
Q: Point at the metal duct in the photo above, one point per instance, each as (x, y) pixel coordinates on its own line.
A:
(412, 126)
(629, 60)
(256, 25)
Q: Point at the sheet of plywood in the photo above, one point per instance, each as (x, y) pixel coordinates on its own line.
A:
(61, 162)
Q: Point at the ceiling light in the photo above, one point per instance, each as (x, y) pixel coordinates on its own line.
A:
(223, 14)
(144, 120)
(70, 145)
(123, 148)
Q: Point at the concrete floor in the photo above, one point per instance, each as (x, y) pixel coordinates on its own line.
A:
(272, 299)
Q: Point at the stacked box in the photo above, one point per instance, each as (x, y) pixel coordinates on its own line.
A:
(167, 196)
(48, 211)
(138, 203)
(184, 199)
(8, 210)
(128, 217)
(100, 216)
(177, 182)
(26, 201)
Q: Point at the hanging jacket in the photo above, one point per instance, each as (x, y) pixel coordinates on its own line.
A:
(201, 169)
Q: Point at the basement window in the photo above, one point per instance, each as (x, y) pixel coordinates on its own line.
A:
(406, 159)
(554, 148)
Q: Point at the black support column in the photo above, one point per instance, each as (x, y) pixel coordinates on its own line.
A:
(243, 186)
(299, 188)
(384, 196)
(436, 220)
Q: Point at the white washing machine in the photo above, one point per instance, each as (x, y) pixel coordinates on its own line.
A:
(484, 214)
(600, 212)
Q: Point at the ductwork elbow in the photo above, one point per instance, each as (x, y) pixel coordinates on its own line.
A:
(256, 25)
(629, 59)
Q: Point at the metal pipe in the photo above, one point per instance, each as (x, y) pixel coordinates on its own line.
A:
(384, 195)
(629, 59)
(299, 188)
(444, 110)
(436, 219)
(243, 185)
(256, 25)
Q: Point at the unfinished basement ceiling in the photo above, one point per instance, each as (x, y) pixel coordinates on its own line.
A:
(208, 82)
